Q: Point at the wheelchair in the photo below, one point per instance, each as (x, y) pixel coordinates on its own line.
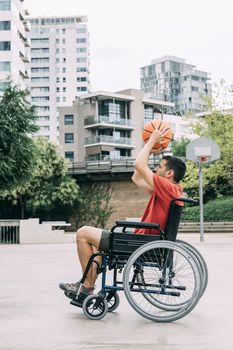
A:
(162, 278)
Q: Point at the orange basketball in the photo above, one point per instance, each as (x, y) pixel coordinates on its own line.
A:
(157, 124)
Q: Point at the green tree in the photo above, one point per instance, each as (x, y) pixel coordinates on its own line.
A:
(17, 149)
(48, 186)
(178, 146)
(94, 207)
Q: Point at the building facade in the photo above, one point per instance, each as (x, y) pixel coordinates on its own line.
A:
(14, 44)
(59, 67)
(171, 79)
(108, 126)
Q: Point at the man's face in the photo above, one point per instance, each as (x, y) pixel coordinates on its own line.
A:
(161, 168)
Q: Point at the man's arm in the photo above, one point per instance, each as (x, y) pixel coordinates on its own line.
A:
(141, 162)
(141, 184)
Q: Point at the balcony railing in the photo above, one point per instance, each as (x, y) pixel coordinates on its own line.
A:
(107, 139)
(103, 119)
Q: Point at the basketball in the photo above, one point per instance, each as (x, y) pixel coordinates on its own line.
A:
(157, 124)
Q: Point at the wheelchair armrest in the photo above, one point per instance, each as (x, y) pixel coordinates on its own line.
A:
(186, 200)
(136, 224)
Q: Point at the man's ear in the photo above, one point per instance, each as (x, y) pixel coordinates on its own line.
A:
(170, 173)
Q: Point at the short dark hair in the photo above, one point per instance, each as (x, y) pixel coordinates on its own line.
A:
(177, 165)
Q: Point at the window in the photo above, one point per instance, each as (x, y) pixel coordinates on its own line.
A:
(58, 99)
(69, 137)
(57, 80)
(63, 41)
(64, 80)
(81, 49)
(69, 155)
(82, 88)
(57, 50)
(81, 30)
(63, 31)
(64, 59)
(39, 79)
(63, 50)
(5, 5)
(5, 25)
(40, 88)
(63, 99)
(39, 69)
(5, 45)
(81, 69)
(4, 85)
(81, 79)
(68, 119)
(40, 50)
(5, 66)
(57, 41)
(64, 89)
(40, 60)
(81, 40)
(58, 89)
(81, 59)
(40, 98)
(63, 70)
(57, 60)
(40, 41)
(43, 108)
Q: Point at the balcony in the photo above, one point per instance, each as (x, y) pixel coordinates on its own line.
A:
(24, 57)
(26, 26)
(109, 140)
(102, 122)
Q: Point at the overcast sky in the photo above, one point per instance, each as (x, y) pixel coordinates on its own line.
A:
(127, 34)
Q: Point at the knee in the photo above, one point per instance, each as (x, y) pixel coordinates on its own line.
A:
(81, 233)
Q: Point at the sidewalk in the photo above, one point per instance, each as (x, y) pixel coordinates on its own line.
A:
(35, 315)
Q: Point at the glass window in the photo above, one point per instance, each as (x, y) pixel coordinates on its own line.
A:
(5, 45)
(68, 119)
(69, 155)
(81, 49)
(5, 5)
(4, 85)
(5, 25)
(81, 40)
(81, 30)
(5, 66)
(81, 79)
(69, 137)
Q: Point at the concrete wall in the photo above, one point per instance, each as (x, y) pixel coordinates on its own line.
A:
(31, 231)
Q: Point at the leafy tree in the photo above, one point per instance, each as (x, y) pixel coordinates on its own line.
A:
(178, 146)
(49, 185)
(94, 206)
(17, 149)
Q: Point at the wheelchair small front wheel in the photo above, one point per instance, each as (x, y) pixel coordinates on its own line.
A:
(113, 301)
(94, 307)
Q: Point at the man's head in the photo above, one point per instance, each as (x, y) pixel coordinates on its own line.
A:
(172, 168)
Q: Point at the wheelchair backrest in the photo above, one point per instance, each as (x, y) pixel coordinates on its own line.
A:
(173, 221)
(174, 216)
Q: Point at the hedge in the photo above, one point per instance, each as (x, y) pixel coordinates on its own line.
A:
(216, 210)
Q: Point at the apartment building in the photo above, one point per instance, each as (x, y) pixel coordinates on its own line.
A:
(107, 126)
(170, 79)
(14, 44)
(59, 67)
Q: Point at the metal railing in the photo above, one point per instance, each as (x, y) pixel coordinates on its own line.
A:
(108, 120)
(107, 139)
(9, 232)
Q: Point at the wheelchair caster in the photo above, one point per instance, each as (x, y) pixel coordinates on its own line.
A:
(95, 307)
(113, 301)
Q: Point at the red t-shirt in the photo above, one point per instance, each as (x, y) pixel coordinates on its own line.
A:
(159, 203)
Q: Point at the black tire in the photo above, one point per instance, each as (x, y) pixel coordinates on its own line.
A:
(95, 308)
(113, 302)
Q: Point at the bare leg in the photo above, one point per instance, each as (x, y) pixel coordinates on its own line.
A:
(88, 239)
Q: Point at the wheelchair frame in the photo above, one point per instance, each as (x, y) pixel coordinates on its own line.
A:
(153, 268)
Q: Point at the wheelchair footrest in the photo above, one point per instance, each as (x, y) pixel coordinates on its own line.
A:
(76, 303)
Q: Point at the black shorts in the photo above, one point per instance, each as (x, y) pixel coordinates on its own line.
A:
(105, 241)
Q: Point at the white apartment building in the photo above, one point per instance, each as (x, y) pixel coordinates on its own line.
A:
(170, 79)
(108, 126)
(14, 44)
(59, 67)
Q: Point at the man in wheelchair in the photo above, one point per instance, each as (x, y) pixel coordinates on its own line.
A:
(162, 185)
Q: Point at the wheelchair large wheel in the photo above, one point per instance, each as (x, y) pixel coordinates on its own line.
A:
(171, 281)
(201, 260)
(156, 300)
(95, 307)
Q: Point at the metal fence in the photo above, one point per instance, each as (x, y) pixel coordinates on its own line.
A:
(9, 232)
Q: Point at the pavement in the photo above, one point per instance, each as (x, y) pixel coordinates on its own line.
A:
(35, 314)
